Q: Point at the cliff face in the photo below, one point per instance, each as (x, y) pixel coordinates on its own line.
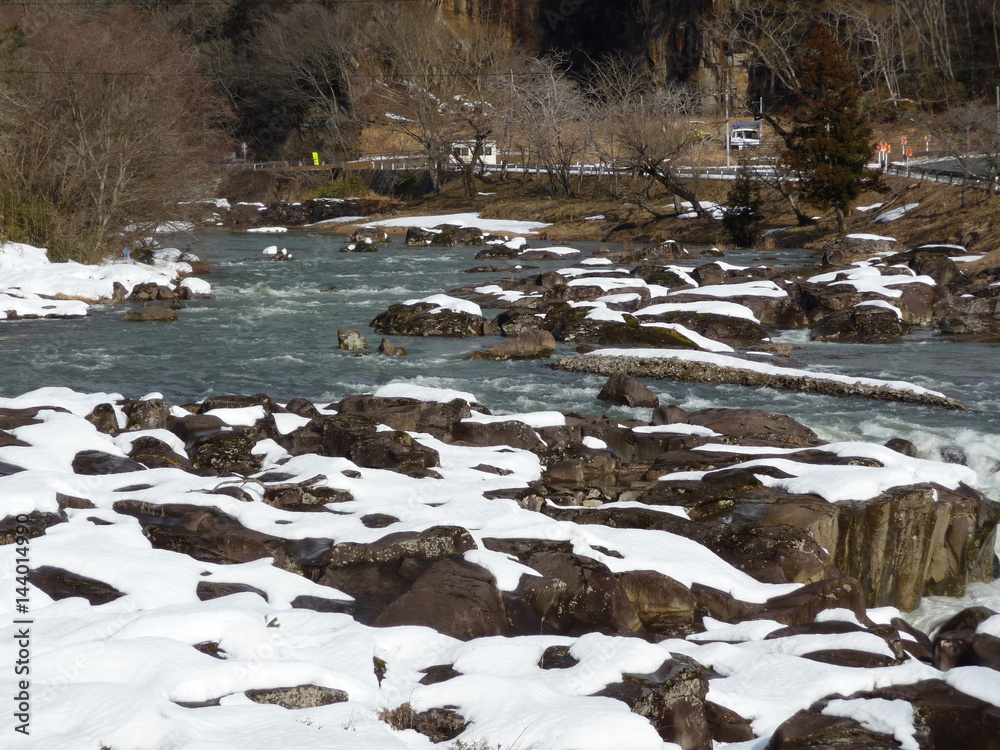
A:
(675, 39)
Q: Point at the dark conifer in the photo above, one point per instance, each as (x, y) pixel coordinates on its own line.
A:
(743, 215)
(829, 141)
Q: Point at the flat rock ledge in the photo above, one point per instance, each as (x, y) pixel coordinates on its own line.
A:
(697, 371)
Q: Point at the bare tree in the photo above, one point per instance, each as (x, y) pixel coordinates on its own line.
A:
(310, 54)
(101, 134)
(870, 33)
(652, 128)
(970, 135)
(439, 89)
(557, 120)
(768, 31)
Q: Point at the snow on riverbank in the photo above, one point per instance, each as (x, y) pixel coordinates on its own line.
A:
(165, 665)
(32, 286)
(463, 220)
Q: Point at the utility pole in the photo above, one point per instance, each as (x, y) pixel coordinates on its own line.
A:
(727, 124)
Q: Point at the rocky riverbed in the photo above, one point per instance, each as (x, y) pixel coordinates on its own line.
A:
(397, 567)
(403, 568)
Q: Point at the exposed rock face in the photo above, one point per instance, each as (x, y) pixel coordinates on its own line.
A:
(975, 315)
(932, 552)
(861, 324)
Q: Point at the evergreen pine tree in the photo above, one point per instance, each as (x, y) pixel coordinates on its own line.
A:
(830, 141)
(742, 215)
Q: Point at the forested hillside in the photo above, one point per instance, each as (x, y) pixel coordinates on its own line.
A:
(113, 111)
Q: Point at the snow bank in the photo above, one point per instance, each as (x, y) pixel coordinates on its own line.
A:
(463, 220)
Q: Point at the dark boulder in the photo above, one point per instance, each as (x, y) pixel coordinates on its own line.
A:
(957, 644)
(389, 349)
(672, 698)
(148, 414)
(329, 435)
(422, 320)
(452, 597)
(371, 234)
(34, 524)
(208, 590)
(574, 594)
(529, 345)
(423, 237)
(98, 462)
(437, 724)
(864, 324)
(510, 432)
(105, 419)
(206, 533)
(968, 315)
(408, 414)
(749, 426)
(393, 451)
(724, 328)
(351, 340)
(63, 584)
(625, 390)
(152, 313)
(360, 247)
(846, 250)
(156, 454)
(225, 453)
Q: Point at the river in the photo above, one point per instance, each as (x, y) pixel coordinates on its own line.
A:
(271, 327)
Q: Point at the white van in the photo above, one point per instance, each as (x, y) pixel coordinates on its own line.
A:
(745, 135)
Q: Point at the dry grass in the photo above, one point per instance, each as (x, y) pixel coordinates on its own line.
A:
(940, 216)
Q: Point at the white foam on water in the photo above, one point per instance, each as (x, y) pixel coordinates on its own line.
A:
(934, 611)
